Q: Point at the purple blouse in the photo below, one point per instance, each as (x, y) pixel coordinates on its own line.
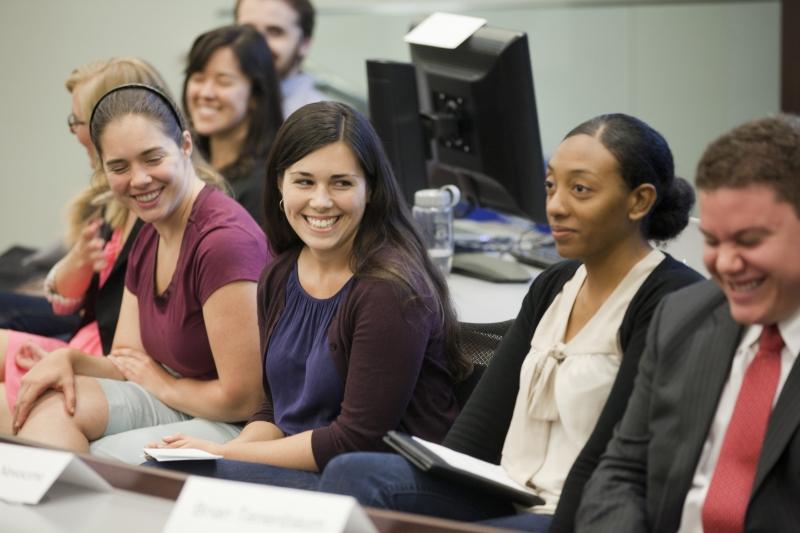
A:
(307, 390)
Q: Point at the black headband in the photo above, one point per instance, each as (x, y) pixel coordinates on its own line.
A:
(158, 92)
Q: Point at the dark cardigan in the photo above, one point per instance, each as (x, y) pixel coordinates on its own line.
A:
(480, 430)
(389, 354)
(248, 188)
(102, 304)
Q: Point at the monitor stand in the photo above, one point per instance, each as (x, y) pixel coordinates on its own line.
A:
(476, 189)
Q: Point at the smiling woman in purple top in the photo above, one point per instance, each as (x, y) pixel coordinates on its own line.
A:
(357, 330)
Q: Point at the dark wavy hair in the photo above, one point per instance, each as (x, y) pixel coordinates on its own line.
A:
(265, 113)
(765, 151)
(387, 245)
(643, 156)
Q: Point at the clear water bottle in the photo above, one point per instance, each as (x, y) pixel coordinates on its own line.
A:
(433, 214)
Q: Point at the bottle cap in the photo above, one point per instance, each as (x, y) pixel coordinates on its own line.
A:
(431, 198)
(447, 196)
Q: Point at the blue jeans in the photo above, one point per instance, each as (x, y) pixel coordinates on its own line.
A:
(244, 471)
(390, 482)
(33, 314)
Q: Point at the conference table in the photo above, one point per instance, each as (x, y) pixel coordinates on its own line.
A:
(479, 301)
(143, 498)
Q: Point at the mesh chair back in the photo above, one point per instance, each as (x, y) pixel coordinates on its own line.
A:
(478, 342)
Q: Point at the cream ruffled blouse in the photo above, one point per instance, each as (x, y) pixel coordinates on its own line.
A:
(563, 386)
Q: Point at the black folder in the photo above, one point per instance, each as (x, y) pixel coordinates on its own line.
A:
(428, 461)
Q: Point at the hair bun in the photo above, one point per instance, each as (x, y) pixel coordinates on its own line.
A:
(671, 214)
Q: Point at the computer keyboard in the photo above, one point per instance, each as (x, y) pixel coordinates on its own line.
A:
(542, 256)
(528, 246)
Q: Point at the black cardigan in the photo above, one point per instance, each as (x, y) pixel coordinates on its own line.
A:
(248, 189)
(102, 304)
(480, 430)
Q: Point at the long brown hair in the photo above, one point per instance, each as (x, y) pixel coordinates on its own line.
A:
(264, 109)
(387, 245)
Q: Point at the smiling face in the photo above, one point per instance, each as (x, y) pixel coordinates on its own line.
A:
(751, 251)
(278, 22)
(324, 198)
(218, 96)
(589, 207)
(146, 170)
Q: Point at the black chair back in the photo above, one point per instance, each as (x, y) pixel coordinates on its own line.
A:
(478, 342)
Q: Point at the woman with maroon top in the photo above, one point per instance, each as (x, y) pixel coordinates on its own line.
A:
(358, 335)
(191, 281)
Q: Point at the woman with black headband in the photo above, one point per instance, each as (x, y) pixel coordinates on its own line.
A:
(191, 281)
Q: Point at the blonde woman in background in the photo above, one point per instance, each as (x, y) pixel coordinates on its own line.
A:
(100, 231)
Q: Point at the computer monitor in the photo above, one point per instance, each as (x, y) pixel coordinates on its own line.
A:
(476, 120)
(394, 111)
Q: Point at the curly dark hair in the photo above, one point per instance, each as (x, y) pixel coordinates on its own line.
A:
(765, 151)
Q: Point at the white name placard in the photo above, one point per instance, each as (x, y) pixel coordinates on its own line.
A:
(179, 454)
(26, 473)
(208, 505)
(444, 30)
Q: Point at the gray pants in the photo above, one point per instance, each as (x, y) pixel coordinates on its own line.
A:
(136, 418)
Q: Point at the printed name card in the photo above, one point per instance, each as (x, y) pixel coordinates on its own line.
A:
(26, 473)
(444, 30)
(208, 505)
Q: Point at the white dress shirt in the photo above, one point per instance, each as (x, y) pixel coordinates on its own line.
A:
(691, 519)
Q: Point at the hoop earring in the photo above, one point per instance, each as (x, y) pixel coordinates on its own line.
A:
(280, 204)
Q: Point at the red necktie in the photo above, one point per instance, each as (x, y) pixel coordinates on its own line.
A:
(725, 506)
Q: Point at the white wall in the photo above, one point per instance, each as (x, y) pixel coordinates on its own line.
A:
(691, 70)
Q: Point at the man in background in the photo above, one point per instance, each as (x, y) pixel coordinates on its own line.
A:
(288, 26)
(710, 440)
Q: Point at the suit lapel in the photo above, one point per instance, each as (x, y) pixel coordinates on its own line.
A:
(783, 423)
(707, 365)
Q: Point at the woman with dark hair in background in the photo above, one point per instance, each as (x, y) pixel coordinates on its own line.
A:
(232, 97)
(190, 282)
(358, 335)
(561, 377)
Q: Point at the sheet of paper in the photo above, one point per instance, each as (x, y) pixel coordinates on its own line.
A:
(444, 30)
(179, 454)
(27, 473)
(208, 505)
(470, 464)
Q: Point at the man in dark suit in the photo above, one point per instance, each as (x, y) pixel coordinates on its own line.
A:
(710, 439)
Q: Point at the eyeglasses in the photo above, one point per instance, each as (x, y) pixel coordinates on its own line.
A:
(73, 122)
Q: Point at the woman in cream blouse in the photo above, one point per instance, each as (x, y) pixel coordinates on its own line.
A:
(561, 377)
